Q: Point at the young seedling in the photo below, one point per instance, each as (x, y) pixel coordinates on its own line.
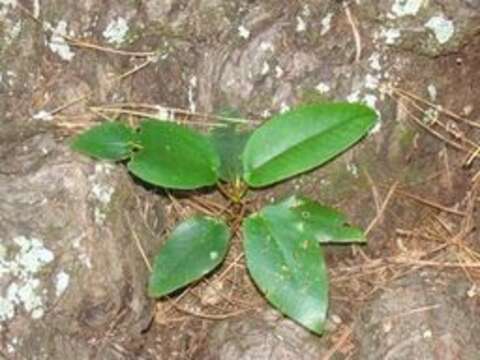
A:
(282, 242)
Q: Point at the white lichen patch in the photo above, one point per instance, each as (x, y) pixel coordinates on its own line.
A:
(12, 31)
(354, 96)
(390, 36)
(43, 116)
(243, 32)
(265, 68)
(6, 5)
(306, 10)
(370, 100)
(352, 169)
(61, 283)
(82, 253)
(427, 334)
(116, 31)
(432, 92)
(57, 43)
(164, 113)
(322, 87)
(11, 344)
(430, 116)
(406, 7)
(267, 46)
(301, 24)
(326, 24)
(8, 78)
(372, 81)
(284, 107)
(32, 255)
(36, 9)
(7, 308)
(278, 72)
(472, 291)
(99, 215)
(368, 92)
(102, 192)
(24, 292)
(11, 3)
(191, 89)
(374, 61)
(442, 28)
(103, 168)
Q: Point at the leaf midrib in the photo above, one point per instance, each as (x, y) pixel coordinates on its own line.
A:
(295, 146)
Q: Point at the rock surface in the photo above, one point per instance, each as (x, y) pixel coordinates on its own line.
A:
(427, 315)
(264, 335)
(428, 28)
(70, 271)
(72, 281)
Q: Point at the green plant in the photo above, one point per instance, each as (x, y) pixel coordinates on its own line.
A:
(282, 242)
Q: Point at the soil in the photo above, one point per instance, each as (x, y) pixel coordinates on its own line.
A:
(77, 236)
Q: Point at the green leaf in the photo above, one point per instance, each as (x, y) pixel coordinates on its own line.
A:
(303, 139)
(174, 156)
(287, 264)
(229, 143)
(325, 224)
(110, 141)
(196, 247)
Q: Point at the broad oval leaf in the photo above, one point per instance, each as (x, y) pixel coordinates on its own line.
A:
(302, 139)
(194, 248)
(230, 142)
(325, 224)
(288, 265)
(174, 156)
(109, 141)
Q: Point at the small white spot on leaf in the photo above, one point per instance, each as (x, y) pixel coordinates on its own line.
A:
(299, 226)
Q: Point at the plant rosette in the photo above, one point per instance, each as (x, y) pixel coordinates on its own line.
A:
(283, 241)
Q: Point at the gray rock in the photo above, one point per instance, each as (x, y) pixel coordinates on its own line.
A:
(430, 28)
(423, 316)
(72, 281)
(256, 57)
(261, 336)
